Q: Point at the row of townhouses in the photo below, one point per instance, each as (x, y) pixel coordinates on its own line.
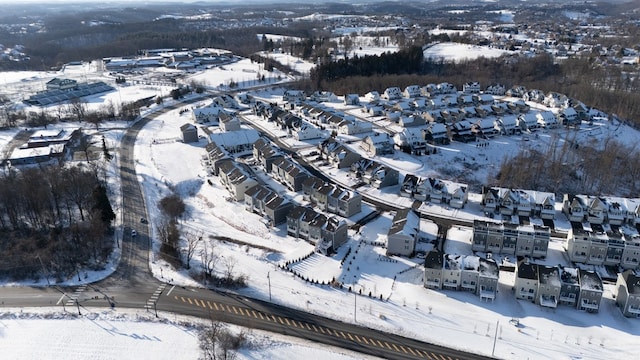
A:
(518, 202)
(608, 245)
(327, 233)
(331, 198)
(325, 196)
(373, 173)
(265, 202)
(628, 293)
(548, 286)
(599, 209)
(510, 239)
(461, 272)
(434, 190)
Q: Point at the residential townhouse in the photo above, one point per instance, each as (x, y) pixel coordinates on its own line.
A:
(326, 233)
(441, 192)
(591, 290)
(403, 233)
(471, 87)
(378, 144)
(215, 155)
(374, 174)
(288, 173)
(265, 154)
(411, 140)
(594, 245)
(510, 239)
(229, 122)
(549, 286)
(569, 286)
(409, 185)
(189, 133)
(627, 293)
(265, 202)
(354, 127)
(526, 282)
(392, 93)
(235, 179)
(458, 272)
(412, 91)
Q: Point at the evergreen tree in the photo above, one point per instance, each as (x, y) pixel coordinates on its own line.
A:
(101, 203)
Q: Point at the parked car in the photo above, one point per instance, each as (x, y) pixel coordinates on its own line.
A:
(134, 233)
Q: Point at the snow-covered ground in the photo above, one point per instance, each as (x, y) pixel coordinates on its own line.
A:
(461, 52)
(107, 335)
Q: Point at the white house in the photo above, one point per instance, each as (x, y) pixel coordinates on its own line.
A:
(403, 233)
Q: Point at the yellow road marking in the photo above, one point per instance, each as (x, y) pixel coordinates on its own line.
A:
(395, 347)
(387, 344)
(287, 321)
(280, 319)
(349, 335)
(228, 308)
(261, 317)
(411, 351)
(307, 325)
(343, 335)
(215, 306)
(209, 303)
(190, 302)
(365, 340)
(378, 341)
(314, 328)
(175, 297)
(255, 315)
(234, 309)
(242, 311)
(321, 330)
(357, 338)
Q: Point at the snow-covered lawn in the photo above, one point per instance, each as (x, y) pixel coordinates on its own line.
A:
(109, 335)
(460, 52)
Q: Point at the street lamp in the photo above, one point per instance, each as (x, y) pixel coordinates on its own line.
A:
(269, 279)
(355, 300)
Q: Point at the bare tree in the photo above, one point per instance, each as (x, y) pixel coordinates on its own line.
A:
(229, 265)
(78, 107)
(193, 238)
(208, 258)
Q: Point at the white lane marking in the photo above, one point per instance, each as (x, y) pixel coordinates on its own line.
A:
(170, 290)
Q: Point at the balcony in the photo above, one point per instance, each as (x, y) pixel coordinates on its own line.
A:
(469, 286)
(568, 300)
(634, 310)
(548, 301)
(588, 306)
(432, 283)
(487, 294)
(450, 285)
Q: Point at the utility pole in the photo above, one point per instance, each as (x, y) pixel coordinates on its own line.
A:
(355, 309)
(154, 307)
(269, 279)
(78, 305)
(495, 338)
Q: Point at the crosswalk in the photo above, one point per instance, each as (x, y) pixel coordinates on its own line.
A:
(154, 297)
(76, 295)
(242, 311)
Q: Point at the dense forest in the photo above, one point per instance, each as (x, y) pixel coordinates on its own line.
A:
(54, 219)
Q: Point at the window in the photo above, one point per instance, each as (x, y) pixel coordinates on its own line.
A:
(531, 291)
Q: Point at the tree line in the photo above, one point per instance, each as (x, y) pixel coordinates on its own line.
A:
(53, 220)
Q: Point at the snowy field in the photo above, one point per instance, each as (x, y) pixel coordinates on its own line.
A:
(109, 335)
(461, 52)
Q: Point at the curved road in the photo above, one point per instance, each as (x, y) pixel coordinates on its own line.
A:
(132, 286)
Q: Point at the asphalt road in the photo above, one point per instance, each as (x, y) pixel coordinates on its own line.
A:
(132, 286)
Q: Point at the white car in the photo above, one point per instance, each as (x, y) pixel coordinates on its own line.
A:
(134, 233)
